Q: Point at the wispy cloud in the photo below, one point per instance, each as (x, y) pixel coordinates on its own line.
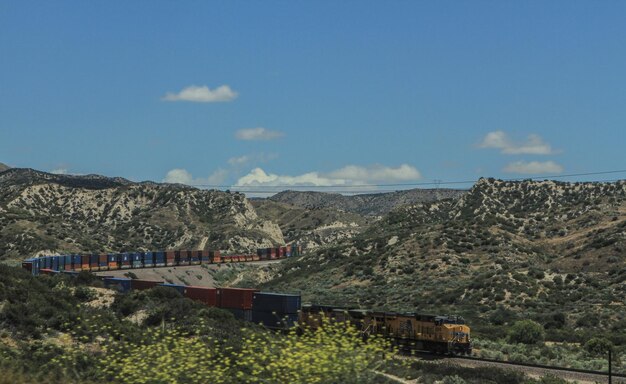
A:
(533, 145)
(534, 167)
(202, 94)
(59, 171)
(258, 133)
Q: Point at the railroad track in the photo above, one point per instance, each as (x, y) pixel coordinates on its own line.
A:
(536, 370)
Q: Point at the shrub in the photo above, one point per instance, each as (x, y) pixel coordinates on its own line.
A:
(598, 346)
(527, 332)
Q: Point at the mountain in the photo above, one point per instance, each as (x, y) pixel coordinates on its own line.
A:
(46, 213)
(374, 204)
(538, 248)
(4, 167)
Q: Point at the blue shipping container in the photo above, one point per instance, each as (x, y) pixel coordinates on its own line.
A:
(76, 260)
(148, 259)
(276, 302)
(180, 288)
(55, 263)
(160, 258)
(121, 284)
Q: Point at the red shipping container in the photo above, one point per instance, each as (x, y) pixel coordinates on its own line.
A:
(256, 257)
(84, 261)
(239, 298)
(215, 256)
(170, 257)
(205, 295)
(103, 259)
(248, 257)
(143, 284)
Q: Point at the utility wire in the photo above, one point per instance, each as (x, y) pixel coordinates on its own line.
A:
(437, 183)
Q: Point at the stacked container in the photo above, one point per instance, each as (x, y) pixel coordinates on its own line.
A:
(94, 262)
(275, 310)
(84, 261)
(195, 257)
(148, 259)
(159, 259)
(113, 261)
(136, 260)
(103, 261)
(238, 301)
(125, 260)
(215, 257)
(170, 258)
(207, 296)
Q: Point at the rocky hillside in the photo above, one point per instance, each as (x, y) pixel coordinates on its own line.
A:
(45, 213)
(312, 228)
(366, 204)
(4, 167)
(541, 248)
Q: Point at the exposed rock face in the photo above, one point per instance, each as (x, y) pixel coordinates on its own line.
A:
(56, 213)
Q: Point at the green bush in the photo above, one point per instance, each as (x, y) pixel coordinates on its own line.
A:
(527, 332)
(598, 346)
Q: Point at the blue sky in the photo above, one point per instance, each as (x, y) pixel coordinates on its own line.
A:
(317, 92)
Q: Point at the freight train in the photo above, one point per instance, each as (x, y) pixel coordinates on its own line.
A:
(436, 334)
(113, 261)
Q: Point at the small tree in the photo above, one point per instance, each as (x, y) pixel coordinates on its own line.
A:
(527, 332)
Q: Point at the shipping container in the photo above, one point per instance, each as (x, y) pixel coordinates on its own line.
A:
(240, 298)
(195, 257)
(55, 262)
(279, 252)
(248, 257)
(118, 283)
(125, 260)
(274, 320)
(205, 295)
(136, 260)
(215, 256)
(276, 302)
(68, 262)
(184, 257)
(288, 251)
(170, 257)
(205, 256)
(272, 253)
(255, 258)
(103, 261)
(85, 261)
(159, 258)
(114, 261)
(241, 314)
(143, 284)
(179, 287)
(148, 259)
(94, 260)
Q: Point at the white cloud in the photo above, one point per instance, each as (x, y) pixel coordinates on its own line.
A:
(346, 176)
(182, 176)
(258, 133)
(241, 160)
(534, 144)
(534, 167)
(202, 94)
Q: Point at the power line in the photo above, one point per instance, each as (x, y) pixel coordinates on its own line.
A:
(436, 183)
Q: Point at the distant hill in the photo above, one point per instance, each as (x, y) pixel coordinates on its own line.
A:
(367, 204)
(46, 213)
(4, 167)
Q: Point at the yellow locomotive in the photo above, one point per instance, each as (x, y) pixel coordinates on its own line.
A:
(437, 334)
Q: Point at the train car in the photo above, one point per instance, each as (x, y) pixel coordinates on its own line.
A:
(437, 334)
(207, 296)
(215, 257)
(94, 262)
(136, 260)
(125, 260)
(148, 259)
(85, 261)
(113, 261)
(103, 262)
(195, 257)
(159, 259)
(170, 258)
